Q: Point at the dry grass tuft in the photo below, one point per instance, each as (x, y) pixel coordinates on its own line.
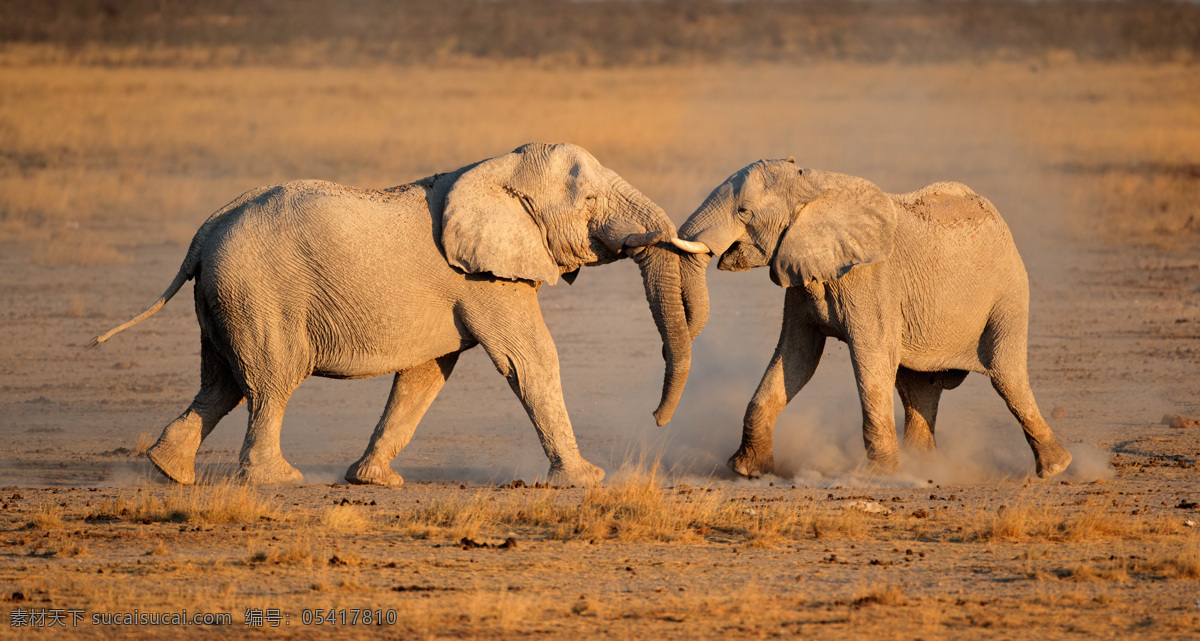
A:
(847, 524)
(503, 609)
(888, 595)
(1089, 572)
(47, 517)
(220, 502)
(345, 518)
(772, 526)
(73, 549)
(160, 549)
(144, 441)
(1024, 522)
(1178, 563)
(635, 507)
(298, 553)
(453, 518)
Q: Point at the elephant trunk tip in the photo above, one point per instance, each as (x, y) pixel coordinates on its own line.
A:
(662, 415)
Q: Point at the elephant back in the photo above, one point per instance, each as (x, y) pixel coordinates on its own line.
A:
(949, 204)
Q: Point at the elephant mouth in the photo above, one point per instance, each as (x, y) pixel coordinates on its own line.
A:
(740, 257)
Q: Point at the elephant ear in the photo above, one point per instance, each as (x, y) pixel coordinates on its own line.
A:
(487, 225)
(850, 224)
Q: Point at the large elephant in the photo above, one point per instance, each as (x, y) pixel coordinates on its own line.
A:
(923, 288)
(312, 278)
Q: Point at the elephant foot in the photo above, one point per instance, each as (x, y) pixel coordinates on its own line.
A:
(919, 441)
(750, 464)
(173, 462)
(883, 465)
(275, 472)
(583, 474)
(364, 472)
(1051, 457)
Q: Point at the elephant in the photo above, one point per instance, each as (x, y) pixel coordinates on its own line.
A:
(311, 278)
(923, 288)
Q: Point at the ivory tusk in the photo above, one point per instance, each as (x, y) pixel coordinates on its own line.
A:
(690, 246)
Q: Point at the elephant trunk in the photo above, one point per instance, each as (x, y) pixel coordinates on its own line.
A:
(694, 290)
(661, 277)
(660, 267)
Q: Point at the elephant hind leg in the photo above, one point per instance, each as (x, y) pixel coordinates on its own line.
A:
(174, 454)
(1006, 365)
(261, 460)
(413, 391)
(919, 393)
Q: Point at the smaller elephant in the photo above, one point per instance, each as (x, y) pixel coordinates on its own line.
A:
(923, 287)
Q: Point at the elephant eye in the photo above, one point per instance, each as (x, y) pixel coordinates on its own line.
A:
(590, 197)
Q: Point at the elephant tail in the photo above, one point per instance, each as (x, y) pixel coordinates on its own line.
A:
(184, 275)
(187, 270)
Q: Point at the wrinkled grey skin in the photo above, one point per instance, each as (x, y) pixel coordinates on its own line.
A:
(315, 279)
(923, 287)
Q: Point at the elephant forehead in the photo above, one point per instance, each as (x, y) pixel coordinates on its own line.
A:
(751, 180)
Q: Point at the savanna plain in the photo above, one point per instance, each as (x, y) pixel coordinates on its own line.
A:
(107, 170)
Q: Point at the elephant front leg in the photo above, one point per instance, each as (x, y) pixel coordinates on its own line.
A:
(796, 357)
(413, 391)
(875, 373)
(516, 339)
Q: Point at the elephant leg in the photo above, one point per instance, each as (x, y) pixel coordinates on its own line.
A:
(796, 357)
(413, 391)
(261, 459)
(174, 454)
(1007, 368)
(875, 372)
(509, 325)
(919, 393)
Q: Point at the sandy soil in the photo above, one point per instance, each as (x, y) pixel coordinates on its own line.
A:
(107, 172)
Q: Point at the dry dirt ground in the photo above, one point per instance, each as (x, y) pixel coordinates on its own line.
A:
(105, 174)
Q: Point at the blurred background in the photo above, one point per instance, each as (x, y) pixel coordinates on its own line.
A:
(123, 125)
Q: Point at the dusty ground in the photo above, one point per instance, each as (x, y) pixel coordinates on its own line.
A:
(105, 173)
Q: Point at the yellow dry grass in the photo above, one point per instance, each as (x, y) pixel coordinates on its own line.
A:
(216, 502)
(886, 595)
(295, 553)
(48, 516)
(345, 518)
(1032, 521)
(636, 506)
(144, 442)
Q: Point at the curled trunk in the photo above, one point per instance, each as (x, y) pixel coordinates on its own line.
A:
(662, 278)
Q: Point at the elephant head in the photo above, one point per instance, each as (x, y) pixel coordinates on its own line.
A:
(807, 225)
(543, 211)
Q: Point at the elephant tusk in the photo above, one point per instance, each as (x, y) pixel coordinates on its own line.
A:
(641, 240)
(691, 247)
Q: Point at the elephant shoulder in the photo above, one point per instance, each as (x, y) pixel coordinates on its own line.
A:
(950, 204)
